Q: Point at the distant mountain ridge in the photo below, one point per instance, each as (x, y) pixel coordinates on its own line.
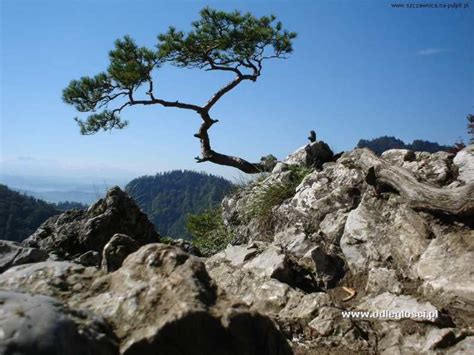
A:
(55, 196)
(381, 144)
(167, 198)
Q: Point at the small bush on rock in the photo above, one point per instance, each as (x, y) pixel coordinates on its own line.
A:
(274, 194)
(208, 230)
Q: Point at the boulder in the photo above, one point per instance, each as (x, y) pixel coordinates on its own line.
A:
(314, 154)
(75, 232)
(445, 268)
(434, 168)
(294, 241)
(380, 232)
(89, 258)
(12, 254)
(36, 324)
(116, 250)
(60, 279)
(464, 161)
(272, 262)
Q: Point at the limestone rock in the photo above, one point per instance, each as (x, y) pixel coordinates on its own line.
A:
(327, 268)
(12, 254)
(272, 262)
(436, 168)
(438, 338)
(163, 293)
(465, 346)
(35, 324)
(464, 160)
(89, 258)
(396, 249)
(330, 322)
(380, 231)
(116, 250)
(75, 232)
(314, 154)
(237, 255)
(187, 300)
(382, 279)
(446, 269)
(351, 223)
(294, 241)
(185, 245)
(60, 279)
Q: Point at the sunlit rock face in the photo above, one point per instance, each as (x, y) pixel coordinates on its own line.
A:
(340, 230)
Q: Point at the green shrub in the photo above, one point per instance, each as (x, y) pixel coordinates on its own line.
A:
(208, 231)
(166, 240)
(274, 194)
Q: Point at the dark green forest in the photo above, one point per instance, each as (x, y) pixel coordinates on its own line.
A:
(167, 198)
(20, 215)
(381, 144)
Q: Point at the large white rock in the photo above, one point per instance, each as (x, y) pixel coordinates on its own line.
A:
(447, 271)
(464, 160)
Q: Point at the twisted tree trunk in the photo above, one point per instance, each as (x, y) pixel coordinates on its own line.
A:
(421, 196)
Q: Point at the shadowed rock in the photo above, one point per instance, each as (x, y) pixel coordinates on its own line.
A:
(116, 250)
(40, 325)
(12, 254)
(161, 300)
(75, 232)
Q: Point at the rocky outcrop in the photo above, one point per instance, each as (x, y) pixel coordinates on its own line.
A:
(393, 233)
(76, 232)
(364, 254)
(168, 304)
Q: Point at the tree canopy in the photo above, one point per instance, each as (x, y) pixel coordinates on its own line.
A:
(167, 198)
(20, 215)
(219, 41)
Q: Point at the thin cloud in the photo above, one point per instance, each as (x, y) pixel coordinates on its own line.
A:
(431, 51)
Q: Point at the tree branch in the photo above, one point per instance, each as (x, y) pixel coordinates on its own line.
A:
(164, 103)
(227, 88)
(207, 154)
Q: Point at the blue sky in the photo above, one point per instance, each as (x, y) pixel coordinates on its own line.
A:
(360, 69)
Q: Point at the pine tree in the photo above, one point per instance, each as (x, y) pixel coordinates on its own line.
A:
(230, 42)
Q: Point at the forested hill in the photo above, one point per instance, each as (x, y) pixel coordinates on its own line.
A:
(20, 215)
(167, 198)
(381, 144)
